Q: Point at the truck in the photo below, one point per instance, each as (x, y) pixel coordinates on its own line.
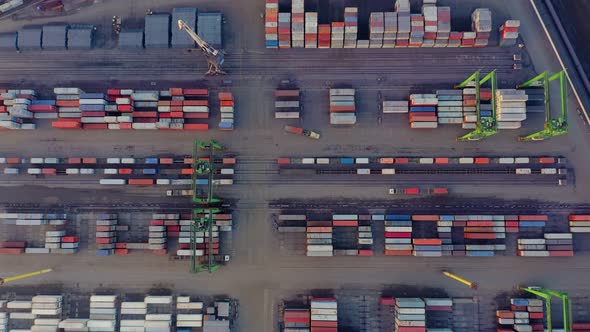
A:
(302, 132)
(179, 192)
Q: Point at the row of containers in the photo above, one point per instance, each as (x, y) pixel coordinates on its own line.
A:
(342, 107)
(480, 161)
(524, 315)
(109, 313)
(110, 238)
(176, 171)
(287, 104)
(72, 108)
(163, 228)
(428, 111)
(398, 28)
(432, 235)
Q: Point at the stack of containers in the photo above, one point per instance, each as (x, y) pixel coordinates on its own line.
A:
(417, 31)
(103, 313)
(319, 238)
(226, 102)
(311, 30)
(481, 20)
(510, 108)
(324, 35)
(337, 35)
(443, 32)
(444, 227)
(398, 235)
(188, 314)
(297, 319)
(376, 29)
(450, 106)
(145, 109)
(195, 107)
(427, 247)
(524, 315)
(397, 106)
(271, 23)
(402, 7)
(43, 109)
(410, 315)
(350, 26)
(532, 248)
(455, 39)
(423, 111)
(158, 321)
(130, 313)
(343, 226)
(7, 121)
(365, 237)
(68, 108)
(203, 238)
(224, 222)
(470, 108)
(3, 321)
(324, 314)
(157, 238)
(342, 107)
(559, 244)
(430, 13)
(287, 104)
(20, 115)
(298, 23)
(92, 107)
(579, 223)
(47, 305)
(389, 29)
(439, 314)
(69, 245)
(119, 108)
(509, 33)
(52, 240)
(468, 38)
(284, 30)
(105, 234)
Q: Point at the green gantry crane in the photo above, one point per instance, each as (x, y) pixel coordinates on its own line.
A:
(203, 216)
(553, 126)
(546, 294)
(486, 126)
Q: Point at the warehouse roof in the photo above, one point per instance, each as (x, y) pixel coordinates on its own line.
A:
(8, 41)
(131, 38)
(189, 16)
(29, 38)
(80, 37)
(54, 36)
(157, 30)
(209, 28)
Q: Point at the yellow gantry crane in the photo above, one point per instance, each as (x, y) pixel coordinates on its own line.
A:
(214, 57)
(24, 276)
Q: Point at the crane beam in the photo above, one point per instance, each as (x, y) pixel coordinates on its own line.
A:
(214, 57)
(24, 276)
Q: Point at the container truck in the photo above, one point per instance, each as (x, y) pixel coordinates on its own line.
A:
(302, 132)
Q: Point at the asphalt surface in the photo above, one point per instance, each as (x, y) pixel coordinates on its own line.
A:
(259, 275)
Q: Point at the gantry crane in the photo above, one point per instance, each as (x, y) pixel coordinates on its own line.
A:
(546, 294)
(485, 126)
(214, 57)
(553, 126)
(203, 215)
(24, 276)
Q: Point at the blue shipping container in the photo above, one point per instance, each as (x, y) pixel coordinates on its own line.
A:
(92, 96)
(347, 160)
(427, 248)
(422, 109)
(480, 253)
(151, 161)
(447, 218)
(43, 102)
(272, 43)
(398, 217)
(202, 181)
(149, 171)
(104, 252)
(378, 217)
(531, 223)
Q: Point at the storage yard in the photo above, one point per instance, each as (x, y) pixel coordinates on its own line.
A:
(291, 165)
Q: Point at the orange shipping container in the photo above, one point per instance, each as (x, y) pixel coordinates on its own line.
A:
(398, 252)
(196, 126)
(417, 217)
(141, 182)
(441, 160)
(319, 229)
(229, 161)
(579, 217)
(225, 96)
(186, 171)
(434, 242)
(66, 124)
(386, 160)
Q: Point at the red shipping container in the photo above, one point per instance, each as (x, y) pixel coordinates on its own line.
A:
(314, 223)
(489, 236)
(196, 103)
(398, 252)
(418, 217)
(440, 191)
(115, 92)
(504, 314)
(66, 124)
(225, 96)
(579, 217)
(173, 228)
(190, 161)
(95, 126)
(196, 92)
(365, 252)
(196, 115)
(547, 160)
(12, 251)
(88, 160)
(74, 160)
(165, 115)
(482, 160)
(402, 235)
(402, 160)
(157, 222)
(283, 161)
(229, 161)
(69, 239)
(342, 108)
(417, 117)
(13, 244)
(92, 113)
(13, 160)
(561, 253)
(42, 108)
(104, 228)
(176, 102)
(120, 252)
(160, 252)
(176, 91)
(410, 329)
(124, 108)
(533, 217)
(294, 320)
(141, 182)
(412, 191)
(144, 114)
(104, 240)
(125, 126)
(345, 223)
(120, 245)
(459, 223)
(227, 103)
(389, 301)
(196, 126)
(186, 171)
(435, 242)
(480, 223)
(68, 103)
(441, 160)
(48, 171)
(125, 171)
